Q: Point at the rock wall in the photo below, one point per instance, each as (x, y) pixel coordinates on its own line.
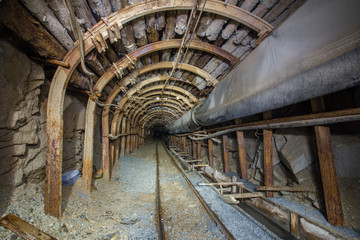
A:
(22, 118)
(24, 92)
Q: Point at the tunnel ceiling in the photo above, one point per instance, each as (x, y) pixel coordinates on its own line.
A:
(154, 60)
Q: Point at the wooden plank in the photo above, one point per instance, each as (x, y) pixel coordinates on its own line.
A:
(16, 18)
(23, 229)
(193, 149)
(286, 189)
(240, 184)
(333, 205)
(294, 225)
(268, 157)
(199, 149)
(242, 154)
(216, 175)
(184, 144)
(211, 156)
(225, 153)
(244, 195)
(193, 161)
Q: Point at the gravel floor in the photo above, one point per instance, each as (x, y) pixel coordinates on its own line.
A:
(183, 215)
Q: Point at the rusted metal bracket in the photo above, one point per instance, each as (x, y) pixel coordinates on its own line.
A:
(99, 41)
(113, 30)
(262, 36)
(132, 62)
(119, 72)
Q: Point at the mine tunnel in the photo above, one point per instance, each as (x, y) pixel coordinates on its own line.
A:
(182, 119)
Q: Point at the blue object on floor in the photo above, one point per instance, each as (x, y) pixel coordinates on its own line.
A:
(70, 177)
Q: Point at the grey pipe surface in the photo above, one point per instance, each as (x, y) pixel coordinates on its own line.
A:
(316, 51)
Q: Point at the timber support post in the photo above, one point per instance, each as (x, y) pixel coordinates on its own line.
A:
(211, 154)
(330, 185)
(241, 152)
(225, 153)
(268, 157)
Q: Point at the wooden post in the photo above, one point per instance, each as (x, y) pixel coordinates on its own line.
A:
(199, 150)
(193, 149)
(211, 156)
(226, 153)
(268, 157)
(294, 225)
(333, 205)
(241, 152)
(184, 144)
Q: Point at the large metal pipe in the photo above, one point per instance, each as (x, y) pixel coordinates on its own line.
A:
(316, 51)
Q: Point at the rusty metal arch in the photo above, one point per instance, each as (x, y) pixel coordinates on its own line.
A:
(105, 122)
(161, 65)
(156, 112)
(62, 76)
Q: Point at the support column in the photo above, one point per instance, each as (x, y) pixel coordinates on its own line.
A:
(268, 157)
(241, 152)
(123, 138)
(226, 153)
(184, 144)
(333, 205)
(128, 129)
(211, 155)
(193, 149)
(199, 150)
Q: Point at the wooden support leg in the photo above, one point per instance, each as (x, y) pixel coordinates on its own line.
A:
(242, 154)
(211, 156)
(198, 150)
(226, 153)
(193, 149)
(333, 205)
(184, 144)
(268, 157)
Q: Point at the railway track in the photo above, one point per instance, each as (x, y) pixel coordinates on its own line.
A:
(181, 213)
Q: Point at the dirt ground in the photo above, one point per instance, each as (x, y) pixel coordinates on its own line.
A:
(123, 208)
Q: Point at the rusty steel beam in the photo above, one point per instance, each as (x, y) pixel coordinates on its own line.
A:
(143, 8)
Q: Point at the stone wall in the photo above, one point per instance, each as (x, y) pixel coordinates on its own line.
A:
(24, 91)
(22, 119)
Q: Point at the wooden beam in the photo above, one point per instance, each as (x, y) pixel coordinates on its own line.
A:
(279, 188)
(333, 205)
(16, 18)
(199, 150)
(210, 149)
(194, 149)
(23, 229)
(225, 153)
(245, 195)
(183, 143)
(241, 151)
(268, 157)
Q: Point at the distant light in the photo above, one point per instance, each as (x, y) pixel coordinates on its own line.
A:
(177, 98)
(157, 98)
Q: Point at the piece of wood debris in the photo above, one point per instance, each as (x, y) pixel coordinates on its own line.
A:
(240, 184)
(286, 189)
(245, 195)
(23, 229)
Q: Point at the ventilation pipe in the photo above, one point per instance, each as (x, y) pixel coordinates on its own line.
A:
(316, 51)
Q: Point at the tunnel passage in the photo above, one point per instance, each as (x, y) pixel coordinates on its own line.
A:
(236, 76)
